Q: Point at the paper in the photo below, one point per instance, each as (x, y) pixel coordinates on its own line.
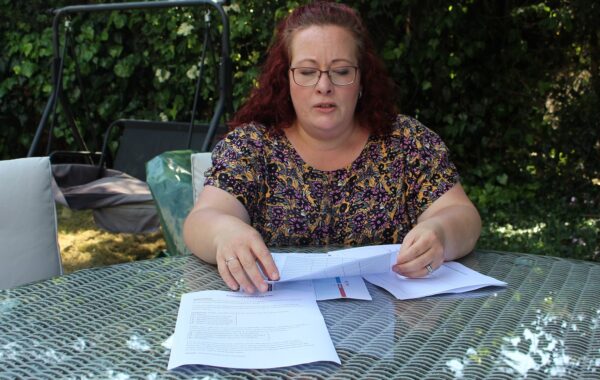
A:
(329, 288)
(342, 263)
(451, 277)
(284, 327)
(341, 287)
(237, 330)
(374, 264)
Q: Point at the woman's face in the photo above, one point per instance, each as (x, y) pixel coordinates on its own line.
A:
(324, 108)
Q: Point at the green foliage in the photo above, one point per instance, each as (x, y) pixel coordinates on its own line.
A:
(252, 23)
(512, 87)
(557, 227)
(129, 64)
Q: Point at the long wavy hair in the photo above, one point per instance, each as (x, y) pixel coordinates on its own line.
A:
(270, 102)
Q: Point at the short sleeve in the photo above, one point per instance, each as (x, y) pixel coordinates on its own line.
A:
(236, 165)
(430, 173)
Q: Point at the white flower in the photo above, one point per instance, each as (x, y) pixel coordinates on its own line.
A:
(185, 29)
(162, 75)
(233, 7)
(163, 117)
(193, 72)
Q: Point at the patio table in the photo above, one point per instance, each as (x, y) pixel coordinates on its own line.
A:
(110, 323)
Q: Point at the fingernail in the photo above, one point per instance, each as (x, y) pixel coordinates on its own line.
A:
(275, 276)
(263, 288)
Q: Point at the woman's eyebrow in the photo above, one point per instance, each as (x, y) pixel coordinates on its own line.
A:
(314, 61)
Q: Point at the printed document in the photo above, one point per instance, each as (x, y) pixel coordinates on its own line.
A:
(350, 262)
(374, 264)
(237, 330)
(329, 288)
(451, 277)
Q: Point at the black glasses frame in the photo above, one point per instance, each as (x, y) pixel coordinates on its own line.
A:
(293, 70)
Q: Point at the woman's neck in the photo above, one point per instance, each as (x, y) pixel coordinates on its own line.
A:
(331, 151)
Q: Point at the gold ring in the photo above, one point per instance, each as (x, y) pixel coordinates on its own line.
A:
(230, 259)
(429, 268)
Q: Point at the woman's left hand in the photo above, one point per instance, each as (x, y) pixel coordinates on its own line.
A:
(422, 250)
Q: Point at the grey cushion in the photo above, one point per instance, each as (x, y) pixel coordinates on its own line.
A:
(119, 202)
(28, 228)
(201, 162)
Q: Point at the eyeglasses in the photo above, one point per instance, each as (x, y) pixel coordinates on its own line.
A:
(309, 76)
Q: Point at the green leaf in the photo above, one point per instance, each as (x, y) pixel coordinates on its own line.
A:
(125, 67)
(502, 179)
(118, 19)
(26, 48)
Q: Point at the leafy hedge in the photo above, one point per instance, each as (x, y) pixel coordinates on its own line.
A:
(512, 86)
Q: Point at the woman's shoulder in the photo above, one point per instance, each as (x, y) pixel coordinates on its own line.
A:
(248, 132)
(247, 137)
(407, 126)
(409, 131)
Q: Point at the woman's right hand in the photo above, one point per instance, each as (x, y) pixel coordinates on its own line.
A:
(240, 253)
(218, 231)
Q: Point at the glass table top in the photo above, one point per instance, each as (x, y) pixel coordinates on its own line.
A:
(110, 323)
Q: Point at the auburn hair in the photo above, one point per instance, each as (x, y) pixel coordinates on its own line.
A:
(270, 102)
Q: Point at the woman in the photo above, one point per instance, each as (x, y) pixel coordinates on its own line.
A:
(318, 156)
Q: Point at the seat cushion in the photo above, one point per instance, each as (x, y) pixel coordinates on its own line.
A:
(201, 162)
(28, 227)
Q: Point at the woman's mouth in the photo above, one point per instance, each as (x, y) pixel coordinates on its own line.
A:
(325, 106)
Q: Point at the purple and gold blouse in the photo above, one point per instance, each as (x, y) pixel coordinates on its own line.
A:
(375, 200)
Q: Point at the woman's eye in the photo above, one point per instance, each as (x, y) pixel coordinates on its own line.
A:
(341, 71)
(308, 72)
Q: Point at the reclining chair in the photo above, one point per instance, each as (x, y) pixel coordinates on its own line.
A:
(109, 181)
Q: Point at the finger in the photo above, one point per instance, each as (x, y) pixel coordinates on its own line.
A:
(413, 268)
(250, 266)
(413, 252)
(408, 251)
(238, 271)
(265, 260)
(226, 276)
(423, 272)
(433, 256)
(420, 255)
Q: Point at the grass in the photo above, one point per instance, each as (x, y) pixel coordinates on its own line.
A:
(84, 245)
(556, 228)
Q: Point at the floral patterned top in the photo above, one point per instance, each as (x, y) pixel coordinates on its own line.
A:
(375, 200)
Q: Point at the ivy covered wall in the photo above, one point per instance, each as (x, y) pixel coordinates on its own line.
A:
(512, 86)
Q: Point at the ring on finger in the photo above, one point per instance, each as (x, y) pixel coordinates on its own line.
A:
(230, 259)
(429, 268)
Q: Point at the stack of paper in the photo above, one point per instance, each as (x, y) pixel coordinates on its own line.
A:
(284, 327)
(373, 263)
(237, 330)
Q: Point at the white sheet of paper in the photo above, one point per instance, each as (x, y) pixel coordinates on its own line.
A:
(451, 277)
(341, 287)
(237, 330)
(350, 262)
(329, 288)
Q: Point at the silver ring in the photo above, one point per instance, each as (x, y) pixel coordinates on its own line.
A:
(429, 268)
(230, 259)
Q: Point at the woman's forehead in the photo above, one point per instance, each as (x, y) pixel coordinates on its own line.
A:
(320, 43)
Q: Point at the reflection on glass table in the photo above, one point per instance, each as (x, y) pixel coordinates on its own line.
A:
(111, 322)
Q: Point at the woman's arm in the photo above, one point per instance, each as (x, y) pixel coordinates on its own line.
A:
(447, 230)
(218, 231)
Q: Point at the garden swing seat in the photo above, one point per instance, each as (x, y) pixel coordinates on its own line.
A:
(112, 182)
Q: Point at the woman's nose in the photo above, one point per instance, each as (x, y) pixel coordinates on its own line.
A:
(324, 84)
